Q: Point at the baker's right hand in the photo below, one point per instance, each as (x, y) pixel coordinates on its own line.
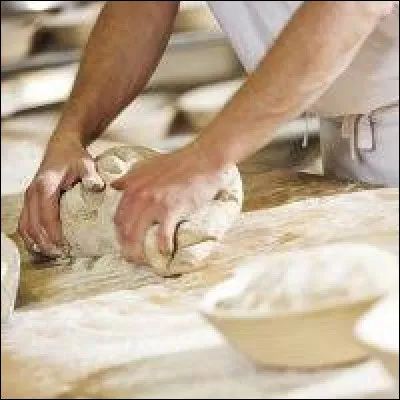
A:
(65, 163)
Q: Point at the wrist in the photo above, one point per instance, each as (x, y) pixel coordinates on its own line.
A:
(209, 155)
(75, 125)
(68, 138)
(72, 132)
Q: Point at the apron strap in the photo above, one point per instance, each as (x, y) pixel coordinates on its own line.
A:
(348, 131)
(383, 109)
(360, 129)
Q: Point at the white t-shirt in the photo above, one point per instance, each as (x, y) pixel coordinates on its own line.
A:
(372, 79)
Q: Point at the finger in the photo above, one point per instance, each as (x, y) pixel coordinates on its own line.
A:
(132, 180)
(166, 234)
(23, 228)
(134, 234)
(129, 206)
(123, 214)
(121, 183)
(91, 180)
(34, 228)
(137, 178)
(130, 255)
(68, 182)
(123, 219)
(48, 195)
(49, 216)
(131, 212)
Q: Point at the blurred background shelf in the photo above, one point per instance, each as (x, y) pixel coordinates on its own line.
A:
(191, 45)
(9, 8)
(42, 43)
(40, 61)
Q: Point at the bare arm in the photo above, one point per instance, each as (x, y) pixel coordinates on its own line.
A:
(316, 46)
(124, 48)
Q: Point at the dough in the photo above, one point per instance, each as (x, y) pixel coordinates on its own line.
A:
(10, 270)
(378, 331)
(87, 216)
(314, 278)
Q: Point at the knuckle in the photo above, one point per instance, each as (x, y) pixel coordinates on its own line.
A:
(21, 229)
(166, 207)
(53, 198)
(171, 200)
(42, 178)
(137, 257)
(30, 191)
(143, 194)
(132, 256)
(149, 196)
(40, 186)
(22, 219)
(88, 162)
(126, 254)
(157, 197)
(163, 234)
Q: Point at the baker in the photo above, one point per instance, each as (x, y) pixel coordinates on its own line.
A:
(338, 59)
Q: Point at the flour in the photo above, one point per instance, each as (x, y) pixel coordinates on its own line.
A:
(314, 278)
(87, 216)
(10, 270)
(363, 217)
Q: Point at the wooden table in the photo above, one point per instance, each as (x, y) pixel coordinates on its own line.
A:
(91, 331)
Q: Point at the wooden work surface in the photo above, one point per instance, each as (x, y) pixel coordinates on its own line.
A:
(90, 330)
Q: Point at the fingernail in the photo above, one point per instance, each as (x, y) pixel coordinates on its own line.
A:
(166, 251)
(98, 187)
(141, 260)
(66, 248)
(56, 251)
(92, 184)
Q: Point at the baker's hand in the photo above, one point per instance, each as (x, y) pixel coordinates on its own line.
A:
(65, 162)
(164, 191)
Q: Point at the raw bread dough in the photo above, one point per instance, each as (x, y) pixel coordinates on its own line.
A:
(318, 277)
(10, 270)
(378, 331)
(87, 216)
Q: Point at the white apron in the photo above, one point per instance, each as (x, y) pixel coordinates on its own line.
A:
(368, 84)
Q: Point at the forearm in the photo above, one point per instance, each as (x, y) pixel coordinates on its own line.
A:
(124, 48)
(316, 46)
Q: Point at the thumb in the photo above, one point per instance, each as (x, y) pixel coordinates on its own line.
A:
(91, 180)
(120, 183)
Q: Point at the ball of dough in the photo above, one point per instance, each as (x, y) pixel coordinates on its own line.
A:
(314, 278)
(87, 216)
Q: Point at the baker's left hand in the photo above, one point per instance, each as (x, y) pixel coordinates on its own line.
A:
(163, 191)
